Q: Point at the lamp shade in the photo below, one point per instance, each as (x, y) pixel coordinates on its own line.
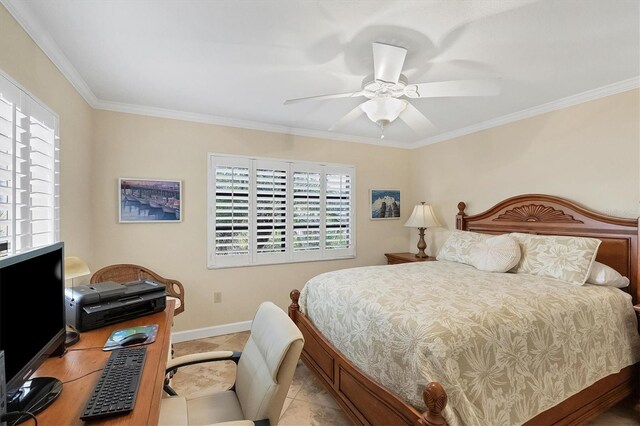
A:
(383, 110)
(75, 267)
(422, 217)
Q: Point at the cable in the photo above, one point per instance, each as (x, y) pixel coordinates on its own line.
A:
(84, 375)
(20, 414)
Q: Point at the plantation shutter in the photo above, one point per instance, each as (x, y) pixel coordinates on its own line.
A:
(231, 210)
(270, 221)
(9, 105)
(264, 211)
(29, 171)
(307, 205)
(338, 211)
(43, 172)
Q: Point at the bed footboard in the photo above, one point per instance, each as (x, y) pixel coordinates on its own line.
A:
(363, 400)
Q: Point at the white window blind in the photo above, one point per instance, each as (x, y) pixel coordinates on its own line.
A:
(29, 171)
(264, 211)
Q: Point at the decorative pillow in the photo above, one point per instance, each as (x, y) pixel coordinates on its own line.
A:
(602, 274)
(564, 258)
(496, 254)
(458, 246)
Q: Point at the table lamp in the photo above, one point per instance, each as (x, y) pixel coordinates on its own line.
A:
(422, 218)
(74, 267)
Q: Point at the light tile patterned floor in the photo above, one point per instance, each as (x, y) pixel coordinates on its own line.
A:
(307, 403)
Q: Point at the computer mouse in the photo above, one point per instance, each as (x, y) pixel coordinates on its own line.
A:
(133, 339)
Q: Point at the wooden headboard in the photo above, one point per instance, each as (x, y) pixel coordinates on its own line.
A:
(549, 215)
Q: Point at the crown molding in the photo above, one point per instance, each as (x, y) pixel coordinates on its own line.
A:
(589, 95)
(33, 28)
(244, 124)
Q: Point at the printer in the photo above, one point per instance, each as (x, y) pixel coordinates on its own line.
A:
(96, 305)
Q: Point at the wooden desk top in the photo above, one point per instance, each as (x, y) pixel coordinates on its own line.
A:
(79, 371)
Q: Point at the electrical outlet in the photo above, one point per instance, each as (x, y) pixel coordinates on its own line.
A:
(217, 297)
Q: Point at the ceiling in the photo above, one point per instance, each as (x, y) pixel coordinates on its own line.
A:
(235, 62)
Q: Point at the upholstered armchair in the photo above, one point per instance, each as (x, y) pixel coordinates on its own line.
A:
(264, 372)
(126, 272)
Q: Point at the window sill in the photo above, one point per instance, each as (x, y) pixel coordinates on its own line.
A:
(249, 265)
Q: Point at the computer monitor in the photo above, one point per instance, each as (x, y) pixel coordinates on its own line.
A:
(32, 324)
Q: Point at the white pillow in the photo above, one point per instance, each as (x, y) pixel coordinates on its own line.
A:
(602, 274)
(495, 254)
(458, 246)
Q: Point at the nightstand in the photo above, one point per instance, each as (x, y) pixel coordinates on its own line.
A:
(395, 258)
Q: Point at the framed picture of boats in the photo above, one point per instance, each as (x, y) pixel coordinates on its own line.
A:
(150, 200)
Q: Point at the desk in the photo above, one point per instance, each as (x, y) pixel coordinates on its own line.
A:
(75, 364)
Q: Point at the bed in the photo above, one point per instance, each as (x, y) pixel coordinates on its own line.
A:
(366, 401)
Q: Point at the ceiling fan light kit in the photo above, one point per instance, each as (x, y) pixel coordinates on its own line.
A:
(383, 110)
(387, 85)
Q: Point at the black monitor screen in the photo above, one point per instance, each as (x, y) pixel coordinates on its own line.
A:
(32, 321)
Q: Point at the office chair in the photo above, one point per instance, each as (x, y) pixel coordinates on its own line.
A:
(126, 272)
(265, 368)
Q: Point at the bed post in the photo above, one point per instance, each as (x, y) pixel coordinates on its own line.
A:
(294, 308)
(435, 398)
(461, 214)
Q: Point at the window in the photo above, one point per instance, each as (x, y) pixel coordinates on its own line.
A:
(29, 171)
(264, 211)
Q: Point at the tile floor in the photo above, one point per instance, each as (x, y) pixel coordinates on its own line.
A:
(308, 403)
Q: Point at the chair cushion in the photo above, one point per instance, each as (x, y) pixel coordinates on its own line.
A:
(264, 375)
(213, 407)
(204, 407)
(173, 411)
(273, 332)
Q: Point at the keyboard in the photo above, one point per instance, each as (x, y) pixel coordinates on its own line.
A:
(116, 390)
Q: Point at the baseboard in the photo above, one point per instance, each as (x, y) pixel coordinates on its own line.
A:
(216, 330)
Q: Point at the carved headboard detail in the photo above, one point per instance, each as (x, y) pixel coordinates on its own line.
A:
(535, 213)
(549, 215)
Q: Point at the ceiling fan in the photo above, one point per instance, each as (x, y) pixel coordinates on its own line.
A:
(387, 90)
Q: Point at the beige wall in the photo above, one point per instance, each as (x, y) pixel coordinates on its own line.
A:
(25, 63)
(98, 147)
(588, 153)
(145, 147)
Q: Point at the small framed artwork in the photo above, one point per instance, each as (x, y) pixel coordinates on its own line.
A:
(385, 204)
(150, 200)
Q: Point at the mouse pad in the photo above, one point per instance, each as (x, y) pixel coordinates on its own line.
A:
(112, 342)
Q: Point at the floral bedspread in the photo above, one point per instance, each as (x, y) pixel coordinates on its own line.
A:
(504, 346)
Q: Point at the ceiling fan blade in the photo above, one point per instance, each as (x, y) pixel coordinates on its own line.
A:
(388, 61)
(441, 89)
(348, 118)
(416, 120)
(323, 97)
